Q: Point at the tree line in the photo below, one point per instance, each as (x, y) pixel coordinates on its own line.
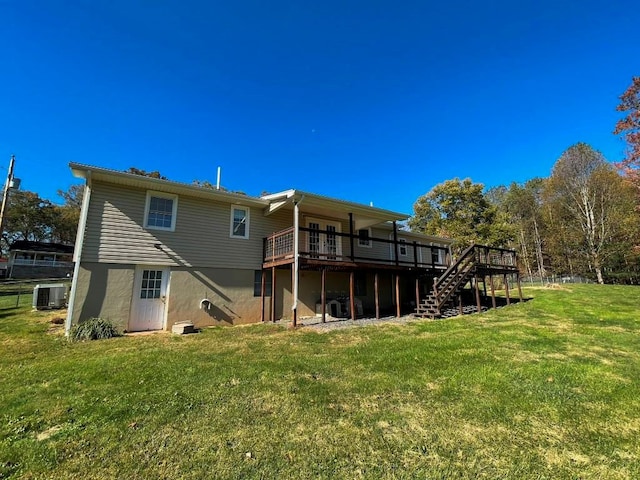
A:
(33, 218)
(584, 219)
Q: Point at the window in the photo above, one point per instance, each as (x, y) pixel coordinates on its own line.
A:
(160, 212)
(364, 237)
(402, 247)
(257, 283)
(151, 284)
(435, 256)
(239, 222)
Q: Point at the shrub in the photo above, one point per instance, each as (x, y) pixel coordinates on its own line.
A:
(93, 329)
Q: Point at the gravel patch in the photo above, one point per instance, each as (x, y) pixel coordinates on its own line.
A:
(332, 323)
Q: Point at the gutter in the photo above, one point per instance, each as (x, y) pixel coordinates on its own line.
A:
(77, 252)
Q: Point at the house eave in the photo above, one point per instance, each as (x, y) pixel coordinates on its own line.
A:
(306, 199)
(105, 175)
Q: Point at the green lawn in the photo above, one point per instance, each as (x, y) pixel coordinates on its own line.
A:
(548, 388)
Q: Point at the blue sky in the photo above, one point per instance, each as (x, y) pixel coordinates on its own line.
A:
(369, 101)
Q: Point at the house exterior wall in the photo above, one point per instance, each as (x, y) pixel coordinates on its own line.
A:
(201, 237)
(229, 290)
(104, 290)
(204, 261)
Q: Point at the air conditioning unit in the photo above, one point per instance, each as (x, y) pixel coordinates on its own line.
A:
(49, 295)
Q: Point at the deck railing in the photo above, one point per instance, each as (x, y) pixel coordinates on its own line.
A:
(41, 263)
(495, 257)
(334, 246)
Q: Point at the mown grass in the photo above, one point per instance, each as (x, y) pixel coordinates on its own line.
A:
(543, 389)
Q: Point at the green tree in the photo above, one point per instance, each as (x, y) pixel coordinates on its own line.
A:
(65, 218)
(144, 173)
(28, 217)
(458, 209)
(590, 208)
(524, 207)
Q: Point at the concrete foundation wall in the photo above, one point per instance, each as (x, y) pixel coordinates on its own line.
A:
(104, 290)
(230, 292)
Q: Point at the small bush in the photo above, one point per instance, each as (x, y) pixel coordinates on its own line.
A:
(93, 329)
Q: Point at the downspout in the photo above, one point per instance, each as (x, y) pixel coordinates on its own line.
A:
(77, 252)
(296, 254)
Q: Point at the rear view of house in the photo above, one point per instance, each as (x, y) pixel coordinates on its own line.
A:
(151, 253)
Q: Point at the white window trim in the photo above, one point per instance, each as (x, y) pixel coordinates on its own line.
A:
(247, 221)
(403, 242)
(392, 247)
(174, 211)
(370, 243)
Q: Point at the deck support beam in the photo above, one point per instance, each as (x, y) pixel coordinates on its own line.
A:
(263, 288)
(377, 295)
(493, 291)
(519, 286)
(352, 290)
(477, 288)
(273, 294)
(397, 294)
(323, 294)
(294, 308)
(506, 288)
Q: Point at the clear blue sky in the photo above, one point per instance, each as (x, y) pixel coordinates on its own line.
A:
(362, 100)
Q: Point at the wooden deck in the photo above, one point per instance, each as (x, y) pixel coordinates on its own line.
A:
(336, 251)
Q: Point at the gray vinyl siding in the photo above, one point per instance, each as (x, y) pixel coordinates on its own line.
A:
(115, 232)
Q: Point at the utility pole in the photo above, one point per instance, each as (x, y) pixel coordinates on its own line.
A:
(5, 194)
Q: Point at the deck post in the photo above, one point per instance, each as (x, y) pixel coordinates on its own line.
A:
(477, 288)
(263, 288)
(506, 288)
(417, 292)
(376, 292)
(519, 286)
(493, 291)
(397, 295)
(415, 254)
(395, 242)
(351, 236)
(294, 308)
(323, 294)
(352, 300)
(460, 307)
(273, 294)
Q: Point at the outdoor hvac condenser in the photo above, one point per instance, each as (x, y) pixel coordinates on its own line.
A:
(49, 295)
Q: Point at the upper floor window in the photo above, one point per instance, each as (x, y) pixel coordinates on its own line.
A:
(239, 222)
(364, 237)
(160, 211)
(436, 255)
(402, 247)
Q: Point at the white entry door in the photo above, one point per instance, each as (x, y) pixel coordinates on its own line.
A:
(322, 241)
(149, 297)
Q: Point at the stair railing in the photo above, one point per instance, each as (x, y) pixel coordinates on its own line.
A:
(451, 279)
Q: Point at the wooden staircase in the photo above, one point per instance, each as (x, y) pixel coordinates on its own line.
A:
(449, 285)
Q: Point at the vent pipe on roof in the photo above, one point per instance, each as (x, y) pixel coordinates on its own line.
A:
(218, 181)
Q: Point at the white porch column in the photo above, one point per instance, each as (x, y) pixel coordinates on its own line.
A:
(296, 262)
